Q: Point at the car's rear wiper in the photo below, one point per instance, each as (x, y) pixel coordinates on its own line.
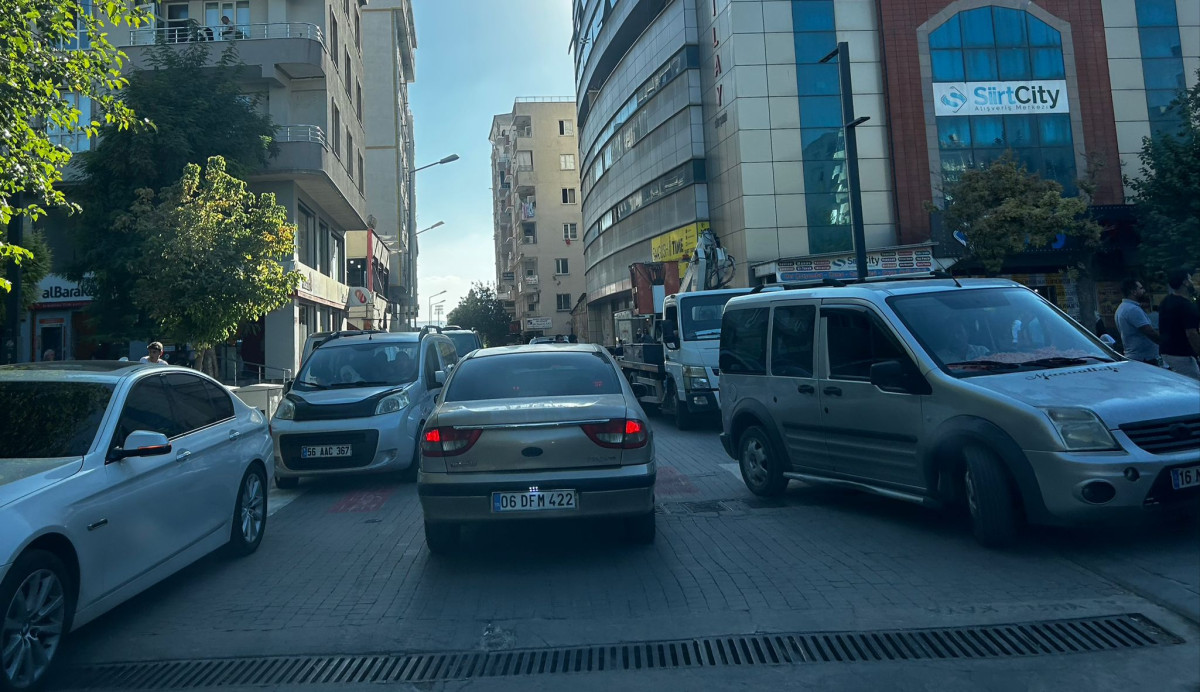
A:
(1063, 361)
(985, 364)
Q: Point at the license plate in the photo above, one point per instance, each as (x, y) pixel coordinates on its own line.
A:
(533, 501)
(1185, 478)
(310, 452)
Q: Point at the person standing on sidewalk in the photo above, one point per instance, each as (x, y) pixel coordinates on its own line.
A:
(1140, 339)
(1180, 322)
(154, 353)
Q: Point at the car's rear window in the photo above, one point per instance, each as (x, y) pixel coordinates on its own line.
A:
(40, 420)
(533, 375)
(464, 343)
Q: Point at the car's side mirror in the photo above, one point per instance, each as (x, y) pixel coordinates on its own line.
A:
(439, 378)
(895, 376)
(141, 443)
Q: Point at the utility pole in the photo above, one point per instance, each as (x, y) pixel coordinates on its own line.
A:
(12, 313)
(849, 122)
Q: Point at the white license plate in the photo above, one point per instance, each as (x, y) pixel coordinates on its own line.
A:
(534, 501)
(1185, 478)
(309, 452)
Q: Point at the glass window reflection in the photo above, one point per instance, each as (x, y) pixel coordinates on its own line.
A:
(977, 28)
(981, 65)
(947, 66)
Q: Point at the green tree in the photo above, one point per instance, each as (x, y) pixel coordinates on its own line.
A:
(1167, 193)
(213, 257)
(52, 53)
(482, 311)
(195, 99)
(1004, 209)
(33, 270)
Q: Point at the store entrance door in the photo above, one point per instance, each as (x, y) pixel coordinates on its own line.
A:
(52, 336)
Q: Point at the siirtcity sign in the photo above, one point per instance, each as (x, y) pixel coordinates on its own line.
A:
(999, 98)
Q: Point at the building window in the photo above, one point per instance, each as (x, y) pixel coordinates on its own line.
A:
(306, 237)
(323, 249)
(570, 231)
(333, 37)
(566, 128)
(529, 233)
(561, 266)
(362, 173)
(1162, 62)
(568, 195)
(358, 101)
(531, 306)
(347, 79)
(72, 138)
(566, 162)
(530, 267)
(562, 302)
(358, 31)
(336, 133)
(350, 153)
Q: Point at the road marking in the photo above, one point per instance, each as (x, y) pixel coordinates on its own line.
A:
(362, 501)
(735, 469)
(278, 499)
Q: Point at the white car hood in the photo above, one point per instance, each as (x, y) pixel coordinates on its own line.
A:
(20, 477)
(1119, 393)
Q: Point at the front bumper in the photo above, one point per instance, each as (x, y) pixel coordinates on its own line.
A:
(380, 444)
(702, 400)
(1061, 478)
(467, 497)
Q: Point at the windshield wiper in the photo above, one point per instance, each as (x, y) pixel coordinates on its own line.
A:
(1063, 361)
(985, 364)
(314, 385)
(360, 383)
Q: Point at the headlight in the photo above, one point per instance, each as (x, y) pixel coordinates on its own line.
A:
(695, 377)
(286, 410)
(392, 403)
(1081, 430)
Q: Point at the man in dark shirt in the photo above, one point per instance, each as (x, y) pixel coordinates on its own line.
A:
(1179, 322)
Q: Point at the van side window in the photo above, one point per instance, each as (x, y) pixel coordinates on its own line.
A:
(448, 352)
(744, 342)
(855, 342)
(792, 340)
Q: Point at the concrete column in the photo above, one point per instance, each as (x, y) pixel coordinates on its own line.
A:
(282, 342)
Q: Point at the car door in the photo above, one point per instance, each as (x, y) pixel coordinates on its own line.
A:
(145, 501)
(792, 385)
(206, 452)
(870, 434)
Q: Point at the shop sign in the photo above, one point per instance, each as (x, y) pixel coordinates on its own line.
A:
(360, 297)
(879, 263)
(1000, 98)
(677, 245)
(538, 322)
(56, 291)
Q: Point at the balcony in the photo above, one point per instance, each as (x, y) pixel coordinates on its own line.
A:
(295, 49)
(303, 156)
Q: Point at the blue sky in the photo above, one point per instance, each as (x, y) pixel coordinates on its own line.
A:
(473, 58)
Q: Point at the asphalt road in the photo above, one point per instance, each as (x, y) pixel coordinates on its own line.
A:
(344, 570)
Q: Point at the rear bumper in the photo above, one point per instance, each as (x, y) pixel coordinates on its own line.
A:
(467, 497)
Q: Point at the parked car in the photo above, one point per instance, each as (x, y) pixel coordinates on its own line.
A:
(977, 392)
(544, 432)
(113, 476)
(465, 340)
(357, 405)
(541, 340)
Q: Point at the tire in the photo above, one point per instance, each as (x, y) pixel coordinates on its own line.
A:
(995, 517)
(640, 529)
(684, 419)
(287, 482)
(33, 570)
(441, 538)
(249, 513)
(761, 466)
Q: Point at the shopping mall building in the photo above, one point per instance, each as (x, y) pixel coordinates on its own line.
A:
(721, 113)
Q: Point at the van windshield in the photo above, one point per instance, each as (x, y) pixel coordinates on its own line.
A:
(984, 331)
(370, 364)
(701, 316)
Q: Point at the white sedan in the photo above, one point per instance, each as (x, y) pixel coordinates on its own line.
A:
(113, 476)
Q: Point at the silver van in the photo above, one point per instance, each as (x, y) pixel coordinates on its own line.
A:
(941, 392)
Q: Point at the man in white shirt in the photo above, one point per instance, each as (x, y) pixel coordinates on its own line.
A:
(154, 354)
(1139, 336)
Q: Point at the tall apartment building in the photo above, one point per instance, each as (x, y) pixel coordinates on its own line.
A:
(305, 61)
(535, 184)
(698, 113)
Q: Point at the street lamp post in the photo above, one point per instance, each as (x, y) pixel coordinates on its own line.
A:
(430, 228)
(849, 122)
(412, 197)
(435, 295)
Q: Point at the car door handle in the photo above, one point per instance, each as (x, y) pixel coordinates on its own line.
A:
(833, 391)
(183, 455)
(806, 389)
(235, 434)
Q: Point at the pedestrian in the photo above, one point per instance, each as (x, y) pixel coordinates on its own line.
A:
(49, 354)
(154, 352)
(1180, 320)
(1140, 339)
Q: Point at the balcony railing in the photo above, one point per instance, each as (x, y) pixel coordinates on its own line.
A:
(221, 32)
(300, 133)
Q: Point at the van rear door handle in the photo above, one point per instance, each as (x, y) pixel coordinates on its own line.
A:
(833, 391)
(234, 434)
(806, 389)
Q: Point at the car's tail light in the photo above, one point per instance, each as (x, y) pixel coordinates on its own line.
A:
(448, 442)
(619, 433)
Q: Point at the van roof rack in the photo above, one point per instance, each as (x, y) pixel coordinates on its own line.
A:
(430, 329)
(345, 332)
(792, 286)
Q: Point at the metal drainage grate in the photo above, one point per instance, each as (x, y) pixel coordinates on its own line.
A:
(1046, 638)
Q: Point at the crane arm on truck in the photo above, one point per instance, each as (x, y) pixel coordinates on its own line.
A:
(709, 267)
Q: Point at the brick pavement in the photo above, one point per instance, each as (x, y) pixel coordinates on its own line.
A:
(357, 581)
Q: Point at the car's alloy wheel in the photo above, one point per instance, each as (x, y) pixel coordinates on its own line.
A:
(37, 610)
(760, 465)
(250, 512)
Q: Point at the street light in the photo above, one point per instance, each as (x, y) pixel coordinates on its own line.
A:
(449, 159)
(439, 223)
(435, 295)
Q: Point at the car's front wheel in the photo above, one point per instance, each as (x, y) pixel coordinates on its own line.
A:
(38, 603)
(995, 517)
(249, 512)
(441, 537)
(762, 469)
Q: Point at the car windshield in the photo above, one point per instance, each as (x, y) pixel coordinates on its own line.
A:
(533, 375)
(363, 364)
(40, 420)
(702, 316)
(985, 331)
(464, 342)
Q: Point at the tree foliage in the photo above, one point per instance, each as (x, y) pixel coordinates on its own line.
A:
(194, 97)
(213, 255)
(50, 52)
(33, 270)
(482, 311)
(1004, 209)
(1167, 193)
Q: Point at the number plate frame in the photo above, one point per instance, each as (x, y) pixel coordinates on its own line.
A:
(535, 501)
(326, 451)
(1186, 477)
